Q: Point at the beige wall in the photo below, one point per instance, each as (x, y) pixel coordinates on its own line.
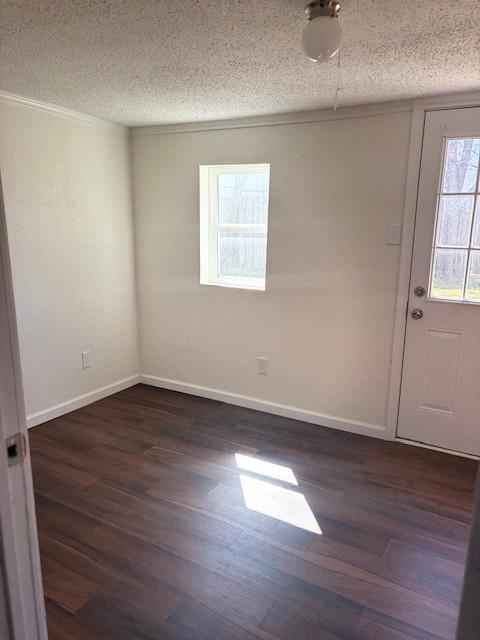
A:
(326, 319)
(68, 202)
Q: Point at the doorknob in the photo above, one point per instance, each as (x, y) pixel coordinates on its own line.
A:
(417, 314)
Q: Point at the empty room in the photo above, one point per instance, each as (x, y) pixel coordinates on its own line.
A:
(239, 320)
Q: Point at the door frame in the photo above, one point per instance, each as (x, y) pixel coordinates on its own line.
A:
(18, 527)
(420, 108)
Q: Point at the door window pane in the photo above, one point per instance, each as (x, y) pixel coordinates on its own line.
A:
(461, 165)
(457, 235)
(454, 221)
(243, 198)
(476, 226)
(473, 283)
(449, 274)
(242, 255)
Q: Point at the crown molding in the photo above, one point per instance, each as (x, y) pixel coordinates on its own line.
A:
(7, 97)
(427, 103)
(448, 101)
(297, 117)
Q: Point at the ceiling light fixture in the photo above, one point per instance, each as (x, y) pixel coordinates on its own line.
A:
(322, 35)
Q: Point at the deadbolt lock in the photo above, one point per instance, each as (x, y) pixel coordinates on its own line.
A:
(16, 449)
(419, 292)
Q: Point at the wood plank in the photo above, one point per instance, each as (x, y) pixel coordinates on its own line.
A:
(145, 531)
(63, 625)
(65, 587)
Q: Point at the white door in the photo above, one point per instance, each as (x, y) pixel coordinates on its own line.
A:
(440, 396)
(23, 594)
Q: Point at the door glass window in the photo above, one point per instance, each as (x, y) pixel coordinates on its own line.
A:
(455, 269)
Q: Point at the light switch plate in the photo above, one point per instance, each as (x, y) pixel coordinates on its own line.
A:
(86, 359)
(262, 366)
(394, 234)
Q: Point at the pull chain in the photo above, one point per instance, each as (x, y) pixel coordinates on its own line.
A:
(337, 88)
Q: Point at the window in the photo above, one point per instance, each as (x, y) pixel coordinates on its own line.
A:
(455, 270)
(233, 225)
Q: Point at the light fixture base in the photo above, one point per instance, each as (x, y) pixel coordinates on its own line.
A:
(317, 8)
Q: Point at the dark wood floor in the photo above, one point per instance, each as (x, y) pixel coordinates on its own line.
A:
(144, 531)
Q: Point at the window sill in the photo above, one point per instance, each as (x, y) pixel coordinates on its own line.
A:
(231, 284)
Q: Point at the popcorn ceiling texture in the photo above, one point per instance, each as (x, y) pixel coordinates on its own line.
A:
(153, 61)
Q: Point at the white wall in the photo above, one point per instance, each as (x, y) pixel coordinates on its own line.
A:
(68, 203)
(326, 319)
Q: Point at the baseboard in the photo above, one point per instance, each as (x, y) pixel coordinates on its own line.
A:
(81, 401)
(422, 445)
(286, 411)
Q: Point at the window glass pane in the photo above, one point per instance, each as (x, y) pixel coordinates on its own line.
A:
(449, 270)
(461, 165)
(476, 226)
(473, 283)
(242, 255)
(243, 198)
(454, 221)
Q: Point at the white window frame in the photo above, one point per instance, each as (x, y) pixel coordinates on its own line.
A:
(469, 249)
(210, 227)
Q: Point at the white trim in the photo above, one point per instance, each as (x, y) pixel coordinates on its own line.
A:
(286, 411)
(448, 101)
(420, 108)
(81, 401)
(422, 445)
(6, 96)
(297, 117)
(403, 286)
(18, 527)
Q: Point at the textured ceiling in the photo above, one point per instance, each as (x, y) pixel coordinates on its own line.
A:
(155, 61)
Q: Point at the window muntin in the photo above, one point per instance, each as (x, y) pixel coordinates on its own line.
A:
(455, 264)
(233, 225)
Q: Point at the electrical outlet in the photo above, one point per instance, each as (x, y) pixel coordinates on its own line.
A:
(86, 359)
(262, 366)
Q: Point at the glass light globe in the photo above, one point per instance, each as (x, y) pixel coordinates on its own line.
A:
(321, 38)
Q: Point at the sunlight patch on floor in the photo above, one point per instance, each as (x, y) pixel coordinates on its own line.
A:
(264, 468)
(279, 503)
